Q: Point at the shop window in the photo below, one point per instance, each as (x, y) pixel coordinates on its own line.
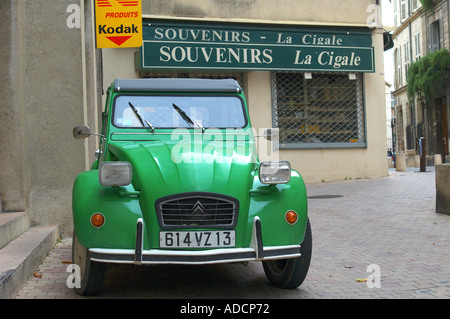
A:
(323, 110)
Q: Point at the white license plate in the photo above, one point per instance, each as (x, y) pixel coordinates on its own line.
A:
(197, 239)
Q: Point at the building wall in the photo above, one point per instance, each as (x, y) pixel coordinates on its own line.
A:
(409, 27)
(318, 165)
(318, 11)
(13, 173)
(43, 98)
(419, 114)
(441, 13)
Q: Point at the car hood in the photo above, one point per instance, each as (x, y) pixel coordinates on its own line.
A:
(162, 168)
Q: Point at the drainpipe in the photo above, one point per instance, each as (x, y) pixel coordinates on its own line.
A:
(83, 70)
(413, 101)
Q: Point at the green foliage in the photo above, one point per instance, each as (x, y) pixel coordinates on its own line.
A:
(428, 76)
(427, 4)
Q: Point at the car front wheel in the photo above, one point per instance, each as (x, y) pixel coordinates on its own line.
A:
(91, 273)
(290, 273)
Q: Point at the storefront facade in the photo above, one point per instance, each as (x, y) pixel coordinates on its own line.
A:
(313, 69)
(319, 82)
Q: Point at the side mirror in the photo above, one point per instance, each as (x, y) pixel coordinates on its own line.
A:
(272, 134)
(81, 132)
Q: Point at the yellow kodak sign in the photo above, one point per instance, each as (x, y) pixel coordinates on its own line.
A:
(118, 23)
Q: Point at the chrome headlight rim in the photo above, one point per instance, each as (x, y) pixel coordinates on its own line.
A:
(116, 173)
(283, 170)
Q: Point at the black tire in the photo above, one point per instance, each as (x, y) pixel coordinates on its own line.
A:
(290, 273)
(92, 273)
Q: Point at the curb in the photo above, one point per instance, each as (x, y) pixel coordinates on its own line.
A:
(22, 256)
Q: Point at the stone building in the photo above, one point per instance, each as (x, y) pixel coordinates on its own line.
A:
(420, 32)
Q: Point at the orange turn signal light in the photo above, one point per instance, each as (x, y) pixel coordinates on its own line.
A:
(97, 220)
(291, 217)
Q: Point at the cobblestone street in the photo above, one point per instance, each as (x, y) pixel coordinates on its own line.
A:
(387, 222)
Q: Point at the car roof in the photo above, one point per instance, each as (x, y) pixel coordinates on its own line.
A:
(177, 85)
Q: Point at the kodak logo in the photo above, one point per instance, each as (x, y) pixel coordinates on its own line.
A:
(103, 29)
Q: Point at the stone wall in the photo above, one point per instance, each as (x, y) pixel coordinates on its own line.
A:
(44, 95)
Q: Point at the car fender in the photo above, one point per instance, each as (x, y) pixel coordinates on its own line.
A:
(270, 203)
(121, 213)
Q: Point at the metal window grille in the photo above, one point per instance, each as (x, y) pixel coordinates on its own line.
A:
(324, 111)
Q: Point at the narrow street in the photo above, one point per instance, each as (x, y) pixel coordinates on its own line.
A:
(386, 223)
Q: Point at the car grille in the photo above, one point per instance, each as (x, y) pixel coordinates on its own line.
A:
(197, 210)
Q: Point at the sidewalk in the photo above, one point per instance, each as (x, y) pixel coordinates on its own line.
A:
(386, 222)
(390, 222)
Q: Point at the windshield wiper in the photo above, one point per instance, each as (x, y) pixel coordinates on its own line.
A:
(186, 118)
(140, 117)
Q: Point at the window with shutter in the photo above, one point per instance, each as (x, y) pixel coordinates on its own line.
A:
(398, 62)
(403, 10)
(435, 37)
(406, 52)
(395, 5)
(417, 48)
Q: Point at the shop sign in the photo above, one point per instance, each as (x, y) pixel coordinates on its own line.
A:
(118, 23)
(173, 45)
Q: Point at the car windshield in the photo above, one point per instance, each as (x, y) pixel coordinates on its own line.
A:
(161, 111)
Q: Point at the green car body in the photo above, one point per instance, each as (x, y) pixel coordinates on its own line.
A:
(195, 194)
